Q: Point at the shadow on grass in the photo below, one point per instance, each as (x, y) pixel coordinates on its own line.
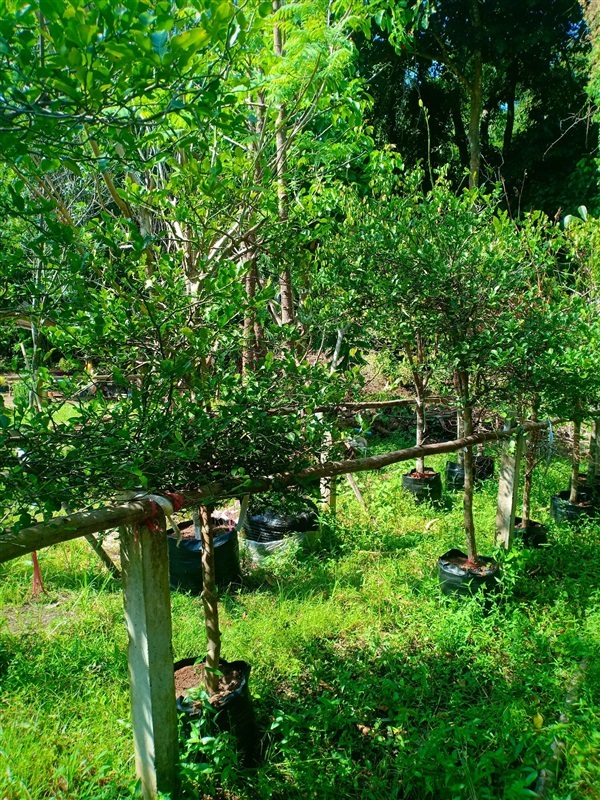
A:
(385, 722)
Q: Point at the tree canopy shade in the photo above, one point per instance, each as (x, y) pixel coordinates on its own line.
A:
(142, 183)
(496, 88)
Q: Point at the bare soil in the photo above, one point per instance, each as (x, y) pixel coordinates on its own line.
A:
(428, 473)
(192, 677)
(188, 532)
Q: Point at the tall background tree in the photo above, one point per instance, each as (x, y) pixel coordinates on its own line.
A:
(495, 90)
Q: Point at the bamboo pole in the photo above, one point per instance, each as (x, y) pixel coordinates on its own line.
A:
(360, 406)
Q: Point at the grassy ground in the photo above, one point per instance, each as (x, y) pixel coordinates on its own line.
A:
(368, 684)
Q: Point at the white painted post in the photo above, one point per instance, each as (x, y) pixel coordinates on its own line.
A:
(508, 487)
(147, 601)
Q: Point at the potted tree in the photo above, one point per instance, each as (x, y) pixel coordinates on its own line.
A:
(384, 282)
(476, 278)
(223, 684)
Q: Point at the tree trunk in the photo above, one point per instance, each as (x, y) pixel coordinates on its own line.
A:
(211, 608)
(575, 461)
(510, 114)
(476, 102)
(592, 472)
(285, 278)
(530, 460)
(249, 343)
(37, 584)
(420, 409)
(460, 428)
(460, 135)
(467, 416)
(460, 434)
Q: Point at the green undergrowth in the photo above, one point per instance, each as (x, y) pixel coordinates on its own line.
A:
(367, 683)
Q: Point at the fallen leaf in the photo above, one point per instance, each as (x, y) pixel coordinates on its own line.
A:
(538, 721)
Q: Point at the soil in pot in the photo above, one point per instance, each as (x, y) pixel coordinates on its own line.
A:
(185, 559)
(233, 702)
(425, 485)
(534, 535)
(459, 576)
(562, 510)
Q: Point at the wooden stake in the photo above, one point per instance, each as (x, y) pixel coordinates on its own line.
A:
(103, 555)
(508, 487)
(358, 494)
(147, 601)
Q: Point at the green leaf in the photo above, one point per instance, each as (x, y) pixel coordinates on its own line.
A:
(193, 39)
(159, 42)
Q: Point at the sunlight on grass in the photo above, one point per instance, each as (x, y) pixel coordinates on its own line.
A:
(367, 683)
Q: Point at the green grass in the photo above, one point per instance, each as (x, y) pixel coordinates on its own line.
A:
(367, 683)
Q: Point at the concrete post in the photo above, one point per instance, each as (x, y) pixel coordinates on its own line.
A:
(147, 602)
(508, 487)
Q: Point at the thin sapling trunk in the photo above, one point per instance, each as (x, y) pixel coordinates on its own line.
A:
(593, 472)
(460, 428)
(420, 381)
(467, 419)
(249, 339)
(468, 495)
(420, 408)
(211, 608)
(460, 434)
(530, 461)
(575, 461)
(281, 145)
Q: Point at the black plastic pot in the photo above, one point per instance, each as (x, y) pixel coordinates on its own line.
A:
(483, 468)
(455, 477)
(235, 711)
(427, 488)
(534, 535)
(456, 580)
(269, 526)
(562, 510)
(588, 492)
(185, 562)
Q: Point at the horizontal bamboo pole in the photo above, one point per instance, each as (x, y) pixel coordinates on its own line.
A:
(72, 526)
(360, 406)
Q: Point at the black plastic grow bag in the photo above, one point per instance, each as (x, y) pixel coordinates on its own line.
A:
(234, 712)
(483, 468)
(562, 510)
(534, 535)
(185, 562)
(427, 488)
(269, 526)
(456, 580)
